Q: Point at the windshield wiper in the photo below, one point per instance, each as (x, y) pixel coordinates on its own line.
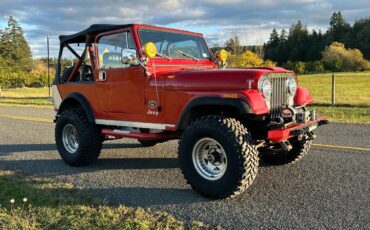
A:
(164, 56)
(187, 55)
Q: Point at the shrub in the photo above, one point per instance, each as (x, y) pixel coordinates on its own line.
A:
(249, 59)
(299, 67)
(31, 77)
(334, 65)
(269, 63)
(315, 67)
(337, 58)
(288, 65)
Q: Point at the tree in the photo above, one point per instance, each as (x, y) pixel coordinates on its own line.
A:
(360, 38)
(301, 45)
(14, 48)
(298, 42)
(281, 56)
(338, 28)
(292, 46)
(272, 45)
(233, 45)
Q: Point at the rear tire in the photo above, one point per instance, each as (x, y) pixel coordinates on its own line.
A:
(217, 157)
(281, 157)
(79, 142)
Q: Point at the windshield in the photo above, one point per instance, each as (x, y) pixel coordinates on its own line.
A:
(176, 45)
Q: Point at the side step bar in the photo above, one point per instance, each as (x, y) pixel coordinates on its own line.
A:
(142, 136)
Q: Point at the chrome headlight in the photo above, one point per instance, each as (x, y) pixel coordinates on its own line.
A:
(265, 87)
(291, 85)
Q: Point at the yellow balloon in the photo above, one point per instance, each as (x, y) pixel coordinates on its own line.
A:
(150, 50)
(222, 55)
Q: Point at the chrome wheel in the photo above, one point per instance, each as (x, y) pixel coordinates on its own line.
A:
(209, 159)
(70, 138)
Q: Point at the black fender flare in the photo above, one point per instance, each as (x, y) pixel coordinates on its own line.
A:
(76, 98)
(240, 105)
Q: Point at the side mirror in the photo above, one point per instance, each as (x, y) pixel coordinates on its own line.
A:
(129, 57)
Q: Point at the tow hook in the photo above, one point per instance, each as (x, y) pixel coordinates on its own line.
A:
(286, 145)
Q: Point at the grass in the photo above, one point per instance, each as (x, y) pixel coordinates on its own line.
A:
(344, 114)
(351, 88)
(26, 96)
(352, 95)
(52, 205)
(25, 92)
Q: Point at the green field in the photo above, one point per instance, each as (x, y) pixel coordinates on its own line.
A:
(52, 205)
(352, 96)
(26, 93)
(351, 88)
(26, 96)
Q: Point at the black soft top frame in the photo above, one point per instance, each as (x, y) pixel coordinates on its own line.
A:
(93, 30)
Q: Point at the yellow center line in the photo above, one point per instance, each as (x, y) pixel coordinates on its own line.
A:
(27, 118)
(50, 121)
(341, 147)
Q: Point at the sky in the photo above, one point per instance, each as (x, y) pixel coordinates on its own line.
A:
(218, 20)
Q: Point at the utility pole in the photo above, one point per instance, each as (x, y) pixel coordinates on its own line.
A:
(47, 41)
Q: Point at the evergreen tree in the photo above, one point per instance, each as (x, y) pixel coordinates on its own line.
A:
(14, 48)
(281, 56)
(298, 42)
(338, 28)
(274, 37)
(2, 46)
(360, 38)
(272, 45)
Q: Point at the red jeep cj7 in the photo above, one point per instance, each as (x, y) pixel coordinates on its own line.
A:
(156, 84)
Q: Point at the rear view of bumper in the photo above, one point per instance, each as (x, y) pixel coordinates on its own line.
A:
(281, 134)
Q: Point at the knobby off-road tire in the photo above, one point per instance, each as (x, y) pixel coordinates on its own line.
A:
(79, 142)
(230, 138)
(281, 157)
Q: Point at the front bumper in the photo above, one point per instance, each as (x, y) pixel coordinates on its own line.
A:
(284, 133)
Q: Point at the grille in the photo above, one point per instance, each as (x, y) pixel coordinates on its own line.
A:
(279, 97)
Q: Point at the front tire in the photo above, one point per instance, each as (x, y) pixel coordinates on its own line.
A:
(78, 141)
(282, 157)
(217, 157)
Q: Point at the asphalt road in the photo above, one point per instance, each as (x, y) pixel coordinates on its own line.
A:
(328, 189)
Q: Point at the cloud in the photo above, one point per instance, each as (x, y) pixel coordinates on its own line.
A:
(217, 19)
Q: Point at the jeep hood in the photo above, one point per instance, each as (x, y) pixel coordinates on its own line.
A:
(218, 79)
